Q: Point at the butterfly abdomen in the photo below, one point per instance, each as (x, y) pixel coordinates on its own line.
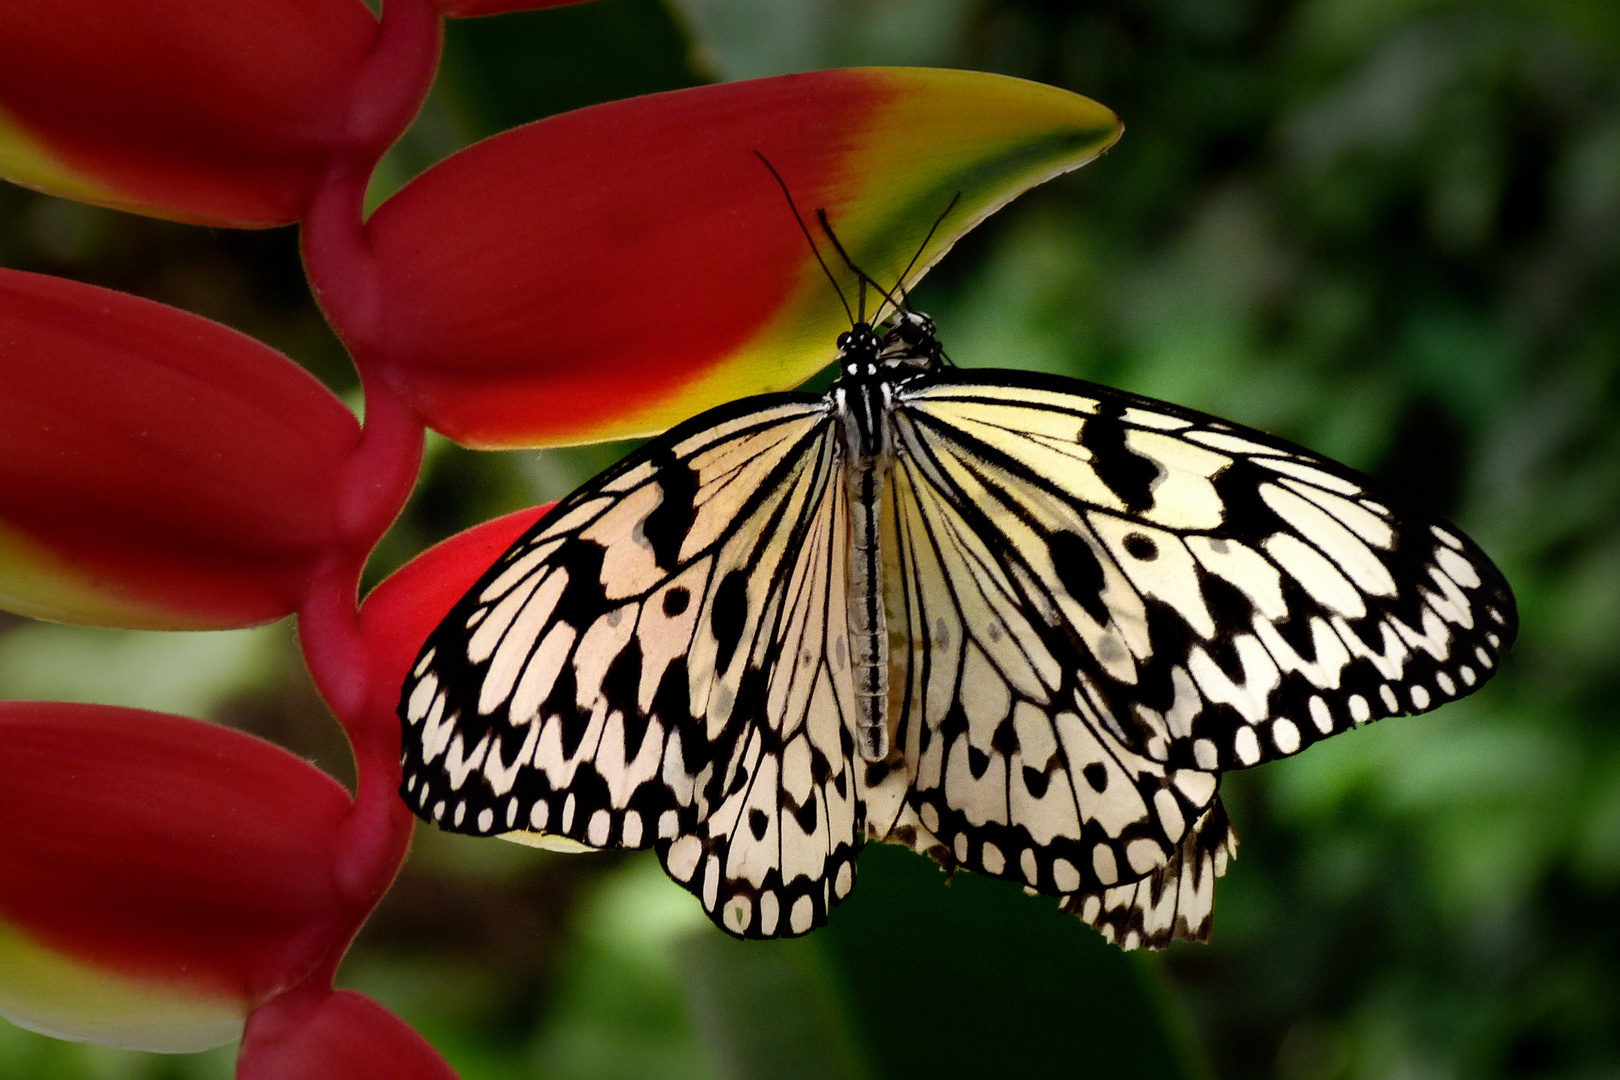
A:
(863, 415)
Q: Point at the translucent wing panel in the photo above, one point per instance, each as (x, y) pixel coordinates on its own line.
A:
(777, 849)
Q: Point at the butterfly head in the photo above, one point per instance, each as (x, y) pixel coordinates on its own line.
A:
(907, 344)
(858, 349)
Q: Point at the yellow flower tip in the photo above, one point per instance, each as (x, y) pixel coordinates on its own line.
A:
(46, 991)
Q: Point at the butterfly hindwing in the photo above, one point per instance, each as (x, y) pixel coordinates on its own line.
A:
(1175, 902)
(1014, 772)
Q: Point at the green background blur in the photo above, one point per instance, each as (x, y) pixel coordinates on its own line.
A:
(1388, 229)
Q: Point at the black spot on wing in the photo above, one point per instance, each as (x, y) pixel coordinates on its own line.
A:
(1369, 631)
(666, 527)
(820, 767)
(672, 705)
(509, 740)
(1080, 572)
(1296, 629)
(1004, 740)
(1141, 547)
(954, 722)
(728, 616)
(1128, 475)
(650, 800)
(562, 708)
(623, 679)
(1231, 610)
(634, 732)
(1244, 511)
(806, 815)
(1036, 782)
(675, 601)
(1223, 650)
(582, 600)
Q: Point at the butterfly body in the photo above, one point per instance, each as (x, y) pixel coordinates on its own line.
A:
(863, 400)
(1017, 622)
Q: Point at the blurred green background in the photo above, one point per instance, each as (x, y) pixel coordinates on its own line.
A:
(1388, 229)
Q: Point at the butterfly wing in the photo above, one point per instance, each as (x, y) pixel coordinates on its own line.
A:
(653, 665)
(1174, 903)
(1148, 596)
(1017, 768)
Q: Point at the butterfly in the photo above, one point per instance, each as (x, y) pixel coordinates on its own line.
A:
(1017, 622)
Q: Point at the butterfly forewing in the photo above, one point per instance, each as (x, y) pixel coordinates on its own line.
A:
(1239, 598)
(613, 678)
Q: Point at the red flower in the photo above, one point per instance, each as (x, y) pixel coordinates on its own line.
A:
(166, 884)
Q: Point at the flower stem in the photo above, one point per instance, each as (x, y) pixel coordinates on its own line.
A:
(379, 474)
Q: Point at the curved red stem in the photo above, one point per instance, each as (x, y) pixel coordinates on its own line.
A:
(381, 471)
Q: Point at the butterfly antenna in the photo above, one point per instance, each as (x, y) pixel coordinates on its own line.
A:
(861, 275)
(900, 285)
(816, 251)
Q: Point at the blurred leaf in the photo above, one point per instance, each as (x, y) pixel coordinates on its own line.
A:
(976, 979)
(620, 1011)
(28, 1056)
(188, 673)
(505, 71)
(747, 39)
(767, 1011)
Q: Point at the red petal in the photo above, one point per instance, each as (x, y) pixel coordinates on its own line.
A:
(163, 852)
(212, 111)
(338, 1035)
(612, 270)
(156, 469)
(400, 613)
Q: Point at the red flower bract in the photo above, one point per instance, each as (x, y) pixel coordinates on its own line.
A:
(166, 851)
(212, 111)
(156, 469)
(398, 615)
(662, 271)
(335, 1035)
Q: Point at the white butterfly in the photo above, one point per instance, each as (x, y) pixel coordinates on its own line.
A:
(1017, 622)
